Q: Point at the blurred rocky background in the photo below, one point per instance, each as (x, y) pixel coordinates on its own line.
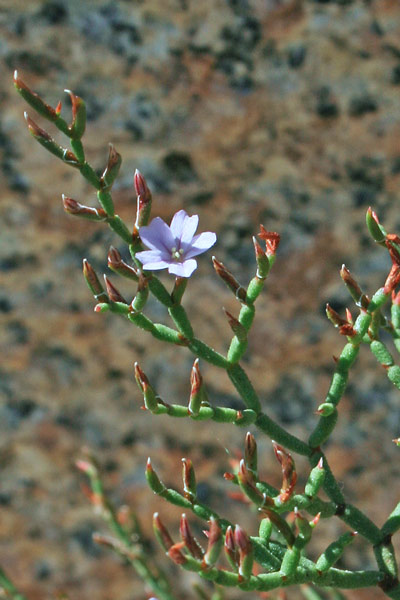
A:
(281, 112)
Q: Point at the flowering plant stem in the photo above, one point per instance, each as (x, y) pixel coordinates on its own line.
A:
(174, 247)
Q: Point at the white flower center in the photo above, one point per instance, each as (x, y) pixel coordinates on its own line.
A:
(176, 254)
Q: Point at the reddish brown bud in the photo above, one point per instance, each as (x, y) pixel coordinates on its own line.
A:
(141, 378)
(149, 395)
(35, 130)
(374, 226)
(215, 542)
(334, 317)
(250, 452)
(141, 187)
(353, 287)
(262, 259)
(112, 169)
(113, 293)
(393, 279)
(161, 532)
(152, 478)
(190, 541)
(77, 127)
(349, 316)
(93, 282)
(175, 553)
(143, 201)
(47, 142)
(289, 475)
(238, 329)
(197, 392)
(271, 239)
(230, 548)
(247, 483)
(245, 552)
(189, 479)
(73, 207)
(229, 280)
(118, 265)
(392, 239)
(34, 99)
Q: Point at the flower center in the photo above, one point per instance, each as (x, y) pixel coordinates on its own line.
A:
(176, 254)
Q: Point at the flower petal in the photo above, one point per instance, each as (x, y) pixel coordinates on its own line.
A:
(189, 229)
(157, 236)
(184, 269)
(177, 223)
(152, 260)
(200, 243)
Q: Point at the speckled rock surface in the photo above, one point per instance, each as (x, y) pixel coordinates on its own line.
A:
(281, 112)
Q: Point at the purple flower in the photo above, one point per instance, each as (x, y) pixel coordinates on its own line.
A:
(174, 247)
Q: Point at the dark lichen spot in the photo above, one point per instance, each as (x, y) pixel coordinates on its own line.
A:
(296, 56)
(17, 261)
(54, 11)
(361, 105)
(5, 305)
(395, 75)
(326, 105)
(18, 332)
(179, 166)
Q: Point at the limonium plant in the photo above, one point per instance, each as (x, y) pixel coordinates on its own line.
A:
(286, 518)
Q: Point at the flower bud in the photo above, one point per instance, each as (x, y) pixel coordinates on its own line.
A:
(353, 287)
(77, 127)
(189, 480)
(393, 279)
(73, 207)
(112, 169)
(263, 264)
(190, 541)
(288, 472)
(229, 280)
(248, 486)
(153, 480)
(374, 227)
(93, 282)
(116, 264)
(250, 453)
(215, 543)
(161, 533)
(334, 317)
(149, 395)
(238, 329)
(231, 551)
(34, 99)
(113, 293)
(246, 557)
(47, 142)
(175, 553)
(197, 392)
(143, 200)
